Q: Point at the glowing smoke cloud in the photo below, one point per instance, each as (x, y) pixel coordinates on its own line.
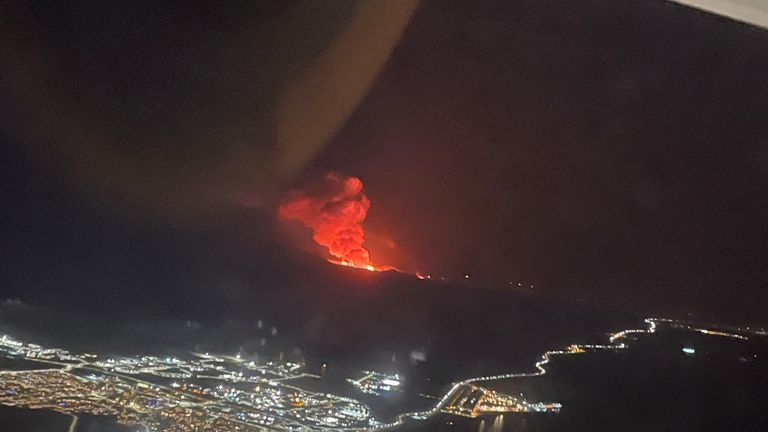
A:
(335, 214)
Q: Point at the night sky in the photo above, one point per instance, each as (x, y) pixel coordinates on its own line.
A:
(609, 151)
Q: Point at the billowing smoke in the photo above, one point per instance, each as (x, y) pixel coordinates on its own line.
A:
(335, 212)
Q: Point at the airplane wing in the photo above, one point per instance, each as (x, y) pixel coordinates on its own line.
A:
(754, 12)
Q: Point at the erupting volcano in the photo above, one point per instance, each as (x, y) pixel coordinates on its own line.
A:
(335, 212)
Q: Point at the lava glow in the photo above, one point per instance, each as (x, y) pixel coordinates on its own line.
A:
(346, 263)
(335, 213)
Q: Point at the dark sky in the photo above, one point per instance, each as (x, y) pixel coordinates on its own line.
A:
(618, 149)
(615, 151)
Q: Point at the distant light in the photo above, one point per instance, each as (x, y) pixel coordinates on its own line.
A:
(689, 350)
(390, 382)
(466, 276)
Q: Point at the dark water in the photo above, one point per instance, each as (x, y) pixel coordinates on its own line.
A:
(27, 420)
(653, 386)
(89, 423)
(17, 419)
(351, 325)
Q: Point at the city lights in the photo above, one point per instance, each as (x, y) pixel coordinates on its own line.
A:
(223, 393)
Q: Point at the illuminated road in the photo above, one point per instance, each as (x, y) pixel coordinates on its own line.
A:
(546, 357)
(270, 404)
(73, 425)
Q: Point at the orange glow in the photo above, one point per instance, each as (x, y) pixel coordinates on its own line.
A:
(369, 267)
(335, 213)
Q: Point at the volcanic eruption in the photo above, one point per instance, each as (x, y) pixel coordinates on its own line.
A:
(334, 211)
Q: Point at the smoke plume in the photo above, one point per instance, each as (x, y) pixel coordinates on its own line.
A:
(335, 212)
